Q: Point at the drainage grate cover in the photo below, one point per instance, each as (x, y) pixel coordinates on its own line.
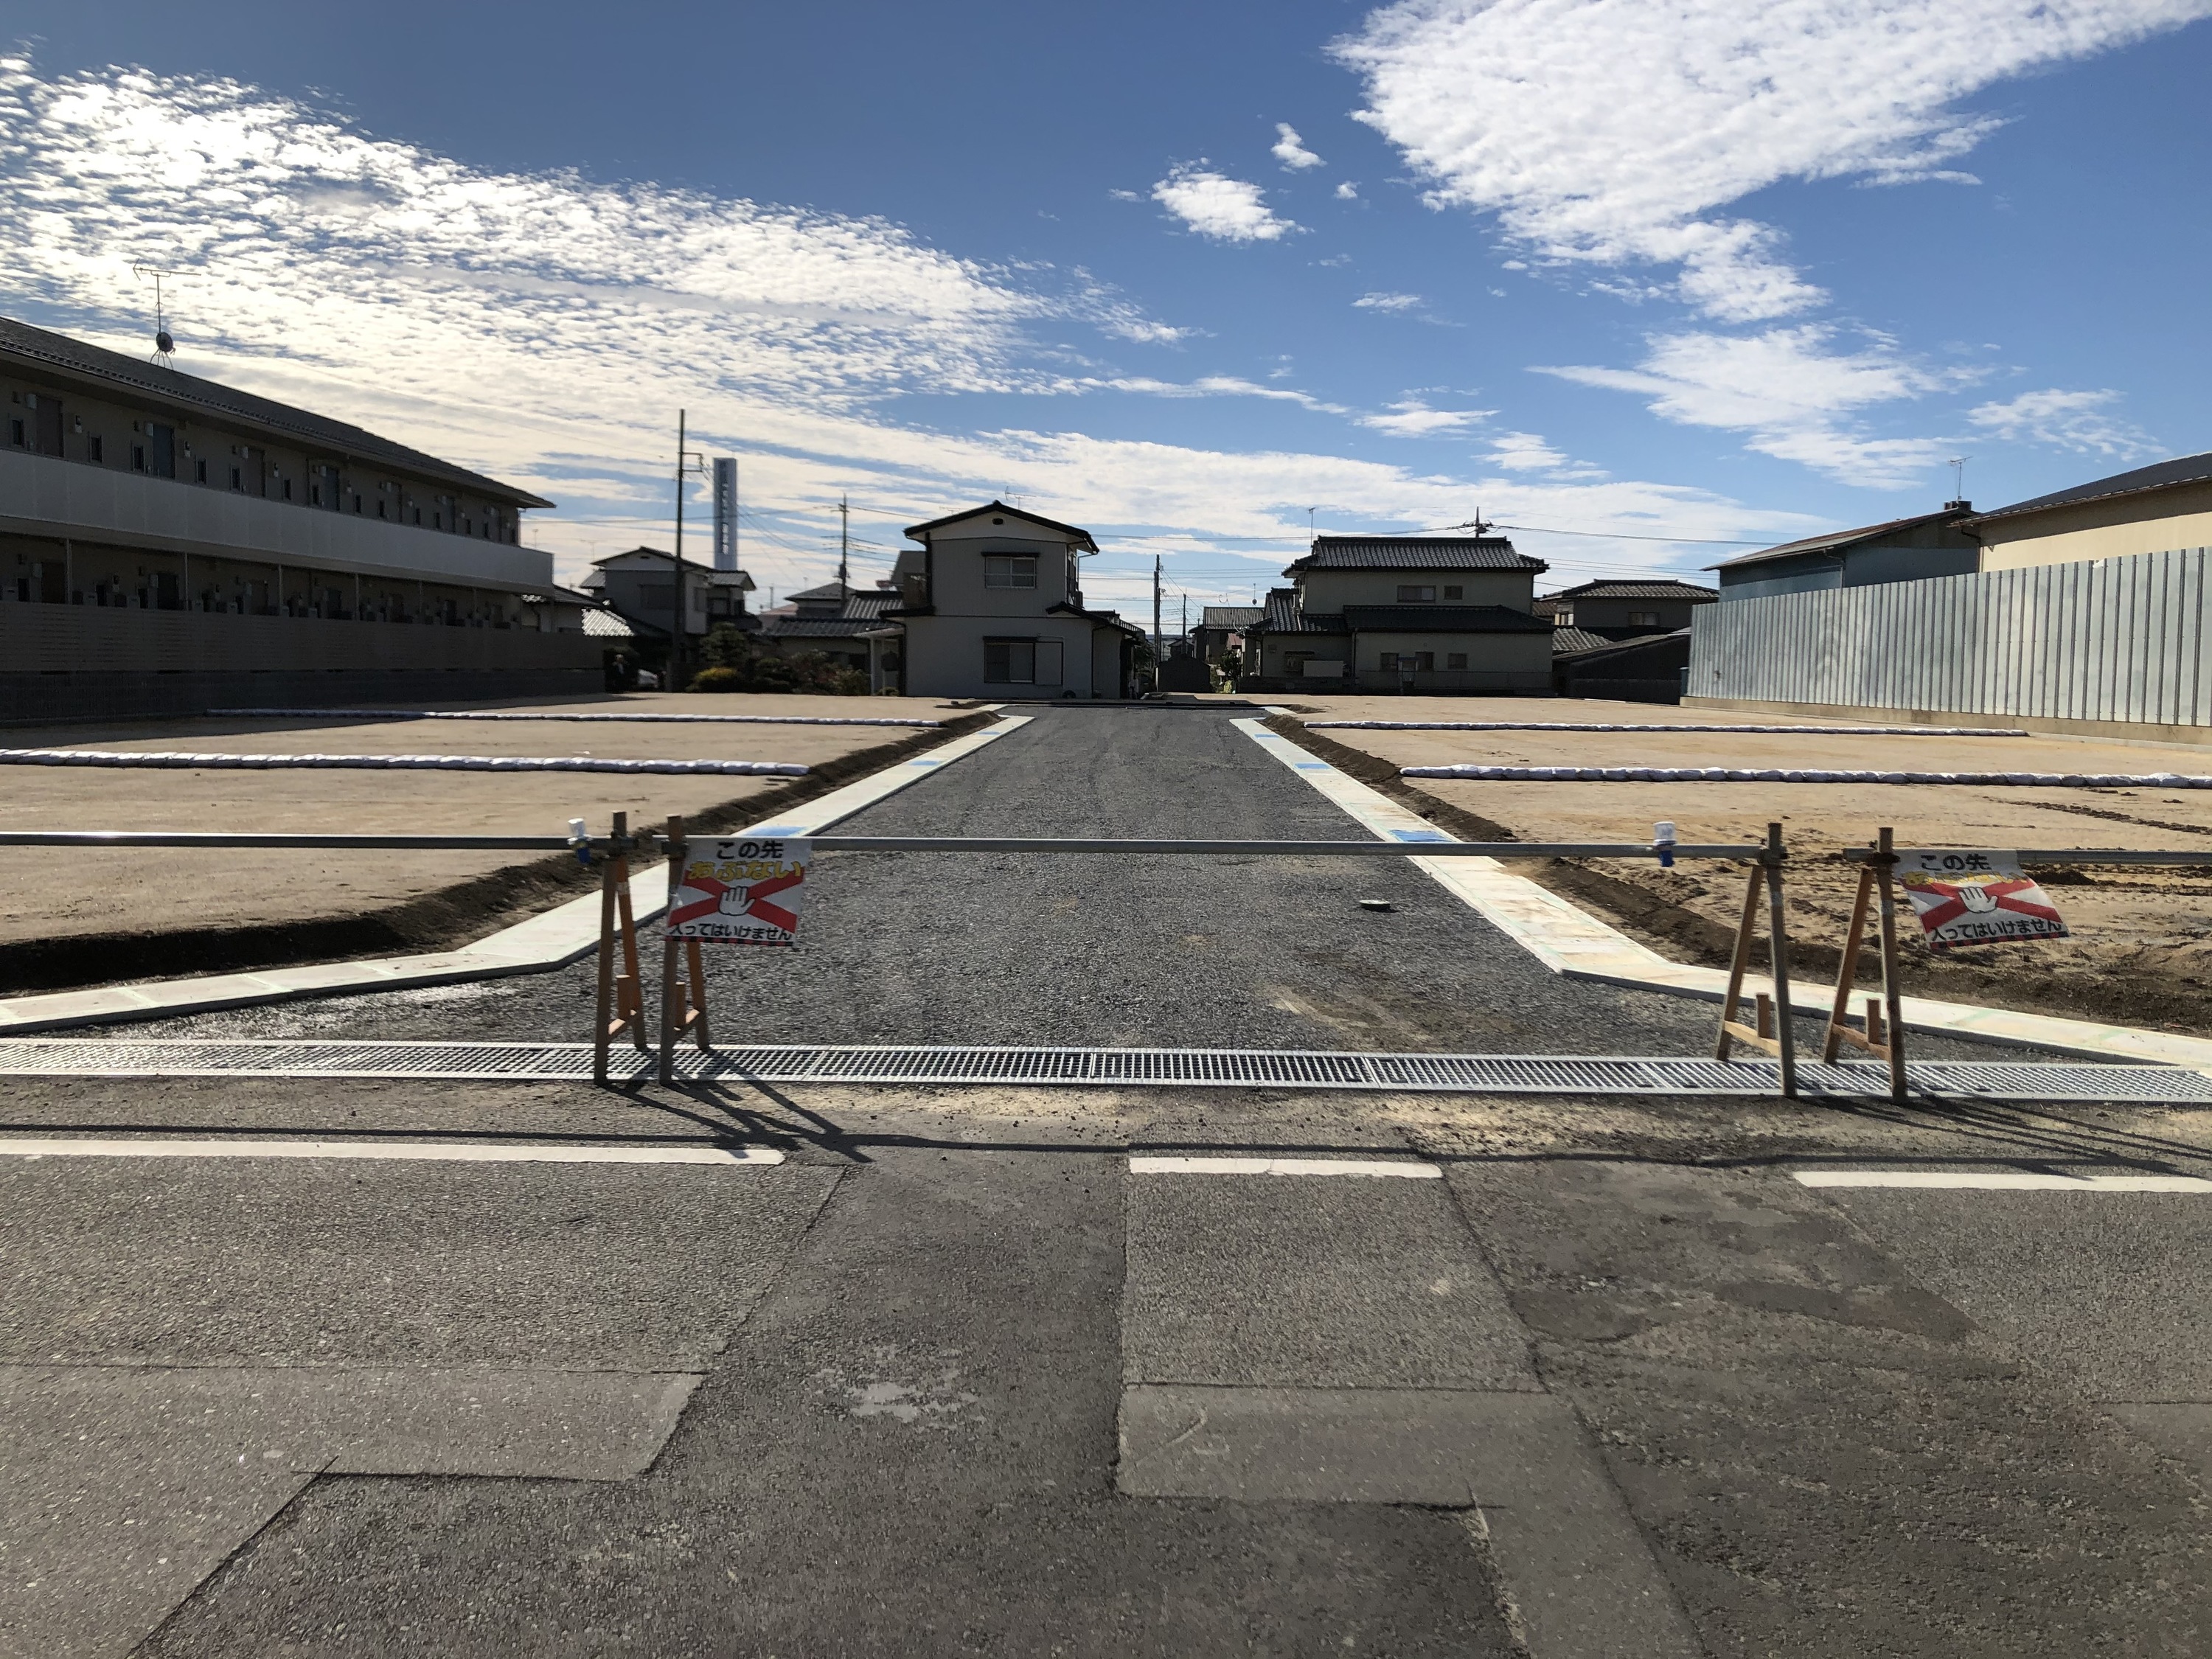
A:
(1511, 1074)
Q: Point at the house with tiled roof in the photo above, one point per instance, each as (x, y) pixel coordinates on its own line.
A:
(1626, 610)
(841, 622)
(1404, 613)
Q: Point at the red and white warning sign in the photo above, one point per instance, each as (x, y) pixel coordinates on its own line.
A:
(744, 889)
(1976, 898)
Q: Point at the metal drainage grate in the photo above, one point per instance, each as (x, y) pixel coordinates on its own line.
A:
(1510, 1074)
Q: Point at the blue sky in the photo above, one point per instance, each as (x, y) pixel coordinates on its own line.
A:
(1704, 269)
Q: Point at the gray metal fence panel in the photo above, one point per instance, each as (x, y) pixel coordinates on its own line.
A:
(2122, 640)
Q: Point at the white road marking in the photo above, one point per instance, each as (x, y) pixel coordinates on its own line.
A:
(1284, 1166)
(415, 1151)
(1986, 1180)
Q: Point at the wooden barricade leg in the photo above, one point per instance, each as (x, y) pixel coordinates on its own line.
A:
(621, 1006)
(1774, 1031)
(630, 990)
(1884, 1036)
(682, 971)
(603, 1030)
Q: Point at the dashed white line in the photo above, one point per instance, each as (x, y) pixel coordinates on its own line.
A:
(1285, 1166)
(398, 1150)
(2008, 1181)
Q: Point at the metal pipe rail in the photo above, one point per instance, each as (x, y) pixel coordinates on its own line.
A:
(649, 840)
(1482, 849)
(2072, 855)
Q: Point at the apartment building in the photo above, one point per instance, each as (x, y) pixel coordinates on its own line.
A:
(169, 542)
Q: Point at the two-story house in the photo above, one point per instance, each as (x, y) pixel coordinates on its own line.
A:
(1626, 610)
(992, 603)
(1390, 613)
(844, 623)
(639, 585)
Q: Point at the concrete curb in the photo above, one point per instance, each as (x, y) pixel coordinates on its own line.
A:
(1577, 946)
(566, 933)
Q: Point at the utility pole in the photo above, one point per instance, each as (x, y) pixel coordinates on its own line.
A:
(681, 613)
(1159, 653)
(844, 544)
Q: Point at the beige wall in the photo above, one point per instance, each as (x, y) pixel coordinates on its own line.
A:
(1329, 591)
(1485, 653)
(2158, 522)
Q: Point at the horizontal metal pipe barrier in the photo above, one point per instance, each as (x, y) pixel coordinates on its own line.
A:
(647, 840)
(2075, 855)
(1480, 849)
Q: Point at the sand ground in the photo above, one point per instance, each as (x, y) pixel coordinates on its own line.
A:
(2143, 945)
(55, 893)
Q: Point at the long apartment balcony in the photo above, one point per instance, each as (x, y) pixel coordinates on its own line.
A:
(46, 496)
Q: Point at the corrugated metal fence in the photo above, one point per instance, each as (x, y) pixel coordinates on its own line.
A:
(2116, 640)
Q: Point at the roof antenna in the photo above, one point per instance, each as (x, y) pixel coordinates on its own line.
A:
(164, 348)
(1958, 483)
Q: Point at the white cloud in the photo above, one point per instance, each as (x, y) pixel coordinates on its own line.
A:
(2078, 421)
(1213, 204)
(1526, 451)
(1412, 418)
(1388, 302)
(1614, 131)
(1347, 191)
(1125, 196)
(1289, 150)
(1791, 392)
(545, 328)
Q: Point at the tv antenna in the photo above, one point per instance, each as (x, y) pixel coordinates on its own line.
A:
(165, 347)
(1957, 464)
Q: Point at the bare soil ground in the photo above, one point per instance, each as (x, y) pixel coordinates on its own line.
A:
(2142, 954)
(71, 917)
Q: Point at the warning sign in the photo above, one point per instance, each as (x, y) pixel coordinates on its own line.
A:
(1976, 898)
(742, 890)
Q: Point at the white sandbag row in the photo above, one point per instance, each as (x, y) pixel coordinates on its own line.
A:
(175, 760)
(1564, 725)
(489, 714)
(1763, 775)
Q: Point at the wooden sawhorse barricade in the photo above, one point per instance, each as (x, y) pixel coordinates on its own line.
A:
(1772, 1031)
(621, 992)
(1884, 1036)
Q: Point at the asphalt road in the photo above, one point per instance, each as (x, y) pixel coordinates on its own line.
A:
(977, 1372)
(1099, 950)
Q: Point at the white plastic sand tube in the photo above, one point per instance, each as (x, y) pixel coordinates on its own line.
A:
(1807, 775)
(181, 760)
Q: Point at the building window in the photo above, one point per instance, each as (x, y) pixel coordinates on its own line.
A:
(92, 447)
(287, 486)
(1455, 659)
(199, 471)
(238, 479)
(1643, 619)
(1010, 662)
(15, 434)
(1411, 593)
(1387, 661)
(1006, 570)
(1455, 593)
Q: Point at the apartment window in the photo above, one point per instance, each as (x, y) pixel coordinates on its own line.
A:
(1643, 619)
(199, 471)
(92, 448)
(1010, 662)
(1455, 593)
(1412, 593)
(1008, 570)
(1455, 659)
(16, 434)
(238, 479)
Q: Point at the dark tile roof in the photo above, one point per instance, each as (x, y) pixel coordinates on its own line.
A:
(1604, 649)
(316, 432)
(819, 627)
(1628, 590)
(1442, 619)
(1836, 540)
(1232, 616)
(2160, 475)
(1416, 553)
(1081, 538)
(1565, 639)
(1284, 616)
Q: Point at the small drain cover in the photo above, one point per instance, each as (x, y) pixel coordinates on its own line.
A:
(1375, 904)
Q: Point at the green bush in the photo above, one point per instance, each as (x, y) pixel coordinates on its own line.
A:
(719, 680)
(736, 663)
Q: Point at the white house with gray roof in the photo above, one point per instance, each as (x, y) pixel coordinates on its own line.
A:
(1391, 613)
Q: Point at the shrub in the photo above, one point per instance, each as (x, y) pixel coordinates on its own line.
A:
(718, 679)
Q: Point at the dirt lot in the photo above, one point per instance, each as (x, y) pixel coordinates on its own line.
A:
(70, 917)
(2142, 950)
